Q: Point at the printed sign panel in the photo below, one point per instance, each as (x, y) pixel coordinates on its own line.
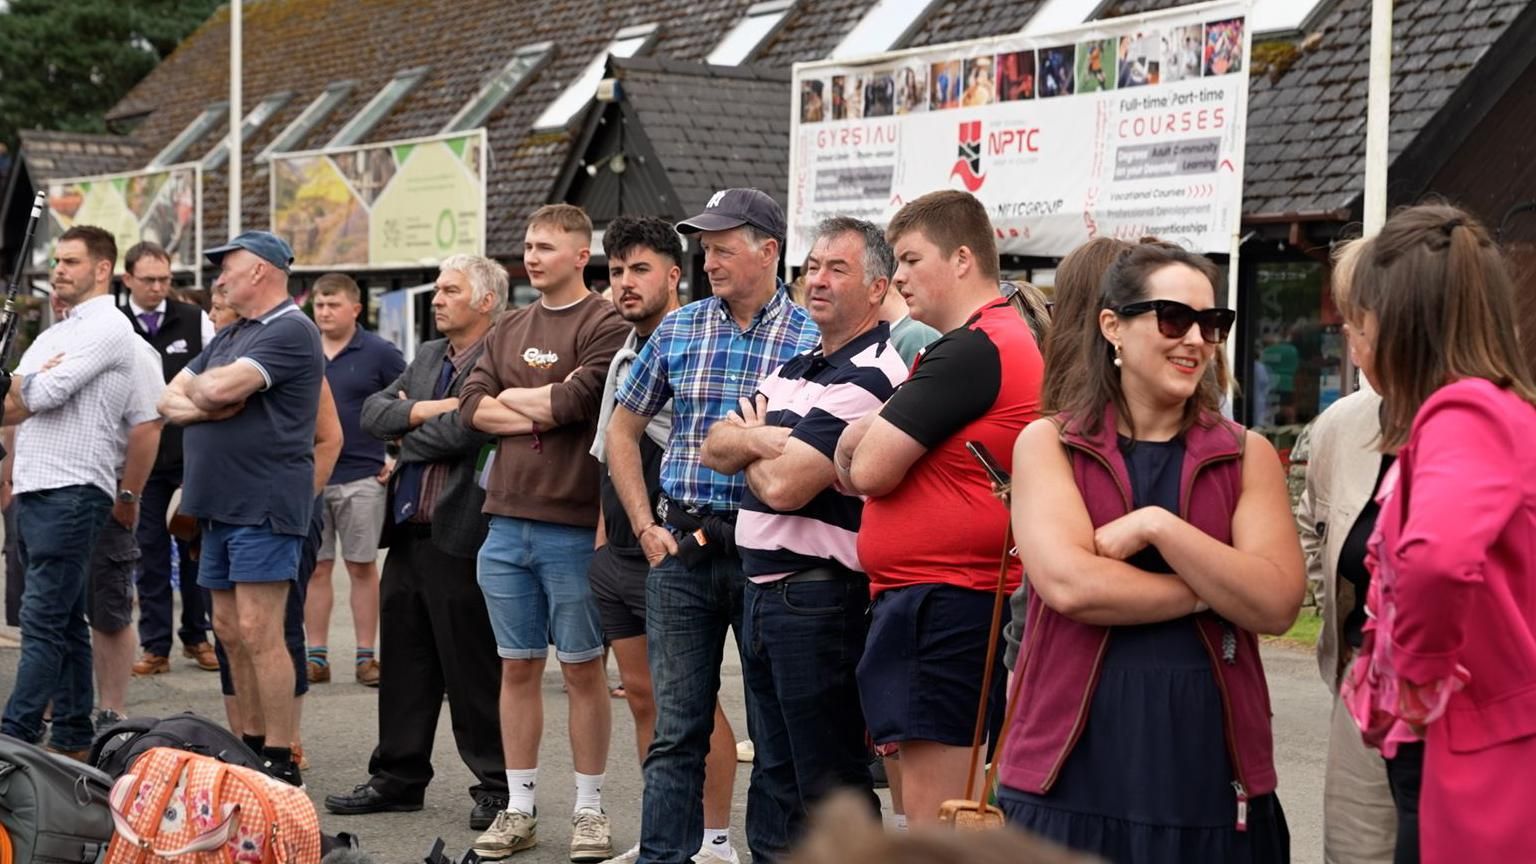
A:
(403, 203)
(1126, 127)
(163, 205)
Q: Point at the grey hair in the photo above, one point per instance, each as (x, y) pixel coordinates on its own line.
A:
(485, 277)
(879, 258)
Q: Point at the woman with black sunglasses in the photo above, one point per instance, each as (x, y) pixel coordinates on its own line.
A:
(1157, 540)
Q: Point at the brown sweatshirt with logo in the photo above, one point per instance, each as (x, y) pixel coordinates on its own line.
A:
(549, 476)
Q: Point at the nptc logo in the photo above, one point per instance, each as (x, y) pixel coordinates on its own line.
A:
(968, 165)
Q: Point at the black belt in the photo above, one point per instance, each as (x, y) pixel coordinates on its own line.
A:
(824, 573)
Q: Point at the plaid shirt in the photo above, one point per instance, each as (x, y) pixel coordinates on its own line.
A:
(702, 361)
(80, 407)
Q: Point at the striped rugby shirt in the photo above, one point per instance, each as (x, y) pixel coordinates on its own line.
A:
(818, 396)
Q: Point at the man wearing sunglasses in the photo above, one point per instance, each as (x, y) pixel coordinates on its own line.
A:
(177, 331)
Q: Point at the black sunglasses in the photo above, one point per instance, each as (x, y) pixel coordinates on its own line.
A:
(1174, 319)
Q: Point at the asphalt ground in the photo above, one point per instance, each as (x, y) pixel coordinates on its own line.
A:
(340, 728)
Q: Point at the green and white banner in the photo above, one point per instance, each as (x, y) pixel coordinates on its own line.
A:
(396, 204)
(164, 205)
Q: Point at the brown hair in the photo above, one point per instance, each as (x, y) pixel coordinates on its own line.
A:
(1076, 308)
(1445, 309)
(99, 243)
(1098, 384)
(950, 219)
(844, 831)
(332, 284)
(567, 217)
(141, 250)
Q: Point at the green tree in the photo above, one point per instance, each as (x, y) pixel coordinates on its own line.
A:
(65, 63)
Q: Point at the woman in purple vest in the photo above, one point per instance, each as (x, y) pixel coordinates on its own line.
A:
(1157, 540)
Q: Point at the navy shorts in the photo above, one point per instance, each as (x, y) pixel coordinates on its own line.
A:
(920, 679)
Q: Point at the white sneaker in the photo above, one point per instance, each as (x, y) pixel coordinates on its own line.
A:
(630, 856)
(591, 838)
(513, 831)
(721, 853)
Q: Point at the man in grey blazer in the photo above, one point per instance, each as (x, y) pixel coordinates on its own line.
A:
(432, 614)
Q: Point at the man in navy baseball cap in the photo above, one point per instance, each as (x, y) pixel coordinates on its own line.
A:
(732, 208)
(265, 245)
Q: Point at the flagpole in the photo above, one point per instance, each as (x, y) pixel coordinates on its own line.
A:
(236, 116)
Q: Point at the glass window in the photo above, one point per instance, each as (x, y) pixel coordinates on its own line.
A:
(253, 121)
(884, 27)
(1270, 17)
(499, 86)
(378, 107)
(308, 119)
(1295, 351)
(751, 31)
(626, 43)
(195, 130)
(1062, 15)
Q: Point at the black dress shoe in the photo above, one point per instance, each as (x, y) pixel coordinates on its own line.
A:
(366, 799)
(487, 805)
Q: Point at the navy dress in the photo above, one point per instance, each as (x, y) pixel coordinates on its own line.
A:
(1150, 779)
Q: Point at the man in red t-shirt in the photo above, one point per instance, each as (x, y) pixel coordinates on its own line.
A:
(932, 530)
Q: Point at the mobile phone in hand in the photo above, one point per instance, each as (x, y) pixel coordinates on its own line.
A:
(988, 463)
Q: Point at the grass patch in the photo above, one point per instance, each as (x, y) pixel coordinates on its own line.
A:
(1304, 632)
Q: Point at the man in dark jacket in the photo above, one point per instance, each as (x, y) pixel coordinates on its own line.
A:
(177, 332)
(431, 611)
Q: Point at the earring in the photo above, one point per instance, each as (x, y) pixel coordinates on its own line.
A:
(1118, 361)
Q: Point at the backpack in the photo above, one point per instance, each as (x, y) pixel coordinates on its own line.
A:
(177, 807)
(52, 809)
(116, 747)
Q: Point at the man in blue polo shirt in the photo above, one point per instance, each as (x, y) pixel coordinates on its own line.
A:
(358, 365)
(248, 403)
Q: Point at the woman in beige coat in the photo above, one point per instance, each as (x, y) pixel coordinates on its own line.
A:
(1334, 517)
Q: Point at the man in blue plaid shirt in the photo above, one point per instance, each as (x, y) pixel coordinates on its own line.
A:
(706, 358)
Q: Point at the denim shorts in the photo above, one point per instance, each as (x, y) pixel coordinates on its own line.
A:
(246, 553)
(534, 578)
(920, 677)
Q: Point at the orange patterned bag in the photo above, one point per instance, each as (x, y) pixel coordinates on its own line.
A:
(176, 807)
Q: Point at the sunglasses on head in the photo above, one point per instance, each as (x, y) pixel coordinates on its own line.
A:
(1174, 318)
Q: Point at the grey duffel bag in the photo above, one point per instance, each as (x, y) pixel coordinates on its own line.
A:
(53, 808)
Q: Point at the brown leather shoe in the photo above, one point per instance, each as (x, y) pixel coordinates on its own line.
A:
(318, 673)
(203, 655)
(152, 664)
(368, 673)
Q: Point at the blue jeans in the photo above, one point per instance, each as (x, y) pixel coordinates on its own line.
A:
(801, 644)
(534, 578)
(687, 611)
(57, 529)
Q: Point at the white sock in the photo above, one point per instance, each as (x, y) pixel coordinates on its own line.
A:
(901, 821)
(520, 788)
(589, 791)
(717, 838)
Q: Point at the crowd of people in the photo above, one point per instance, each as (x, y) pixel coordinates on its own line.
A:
(635, 475)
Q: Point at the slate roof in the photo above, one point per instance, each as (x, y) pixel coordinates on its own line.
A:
(1305, 138)
(76, 154)
(670, 97)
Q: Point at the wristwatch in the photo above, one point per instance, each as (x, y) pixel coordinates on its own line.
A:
(127, 496)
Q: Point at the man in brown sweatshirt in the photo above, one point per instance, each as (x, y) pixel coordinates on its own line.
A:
(537, 387)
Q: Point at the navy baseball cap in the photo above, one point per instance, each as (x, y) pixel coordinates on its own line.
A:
(732, 208)
(263, 244)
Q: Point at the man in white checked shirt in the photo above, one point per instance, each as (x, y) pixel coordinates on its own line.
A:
(68, 452)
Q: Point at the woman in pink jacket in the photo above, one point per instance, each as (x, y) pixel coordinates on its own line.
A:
(1451, 642)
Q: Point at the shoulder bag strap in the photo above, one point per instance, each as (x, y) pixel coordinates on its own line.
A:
(1000, 602)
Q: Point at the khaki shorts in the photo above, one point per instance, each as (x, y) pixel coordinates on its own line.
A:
(354, 512)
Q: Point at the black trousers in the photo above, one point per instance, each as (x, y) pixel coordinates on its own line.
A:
(1405, 776)
(437, 637)
(154, 582)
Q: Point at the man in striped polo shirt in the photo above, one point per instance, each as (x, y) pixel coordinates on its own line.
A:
(803, 608)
